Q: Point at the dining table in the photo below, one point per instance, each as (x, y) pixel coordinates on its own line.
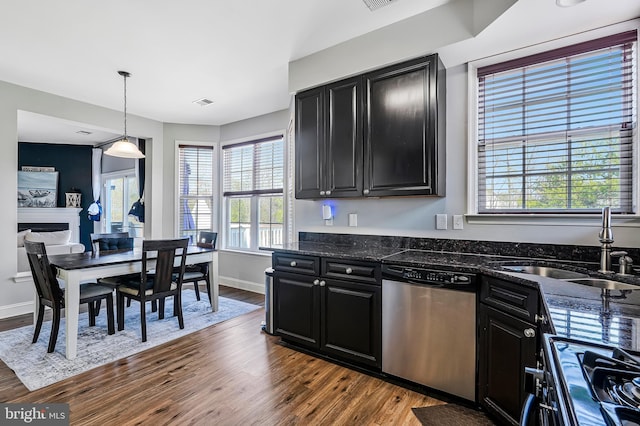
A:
(76, 268)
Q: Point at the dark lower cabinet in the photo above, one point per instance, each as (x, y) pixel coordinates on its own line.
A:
(506, 352)
(335, 317)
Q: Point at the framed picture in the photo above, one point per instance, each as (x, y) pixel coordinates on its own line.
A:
(37, 189)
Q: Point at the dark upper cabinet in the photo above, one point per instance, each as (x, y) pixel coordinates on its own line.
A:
(329, 140)
(405, 132)
(378, 134)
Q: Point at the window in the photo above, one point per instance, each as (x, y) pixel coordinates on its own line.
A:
(555, 130)
(253, 192)
(120, 192)
(196, 209)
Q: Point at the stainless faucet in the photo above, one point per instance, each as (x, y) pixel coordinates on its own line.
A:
(606, 239)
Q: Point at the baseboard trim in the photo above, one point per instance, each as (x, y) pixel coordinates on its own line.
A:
(14, 310)
(242, 284)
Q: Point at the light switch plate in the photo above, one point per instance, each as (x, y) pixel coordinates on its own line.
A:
(458, 221)
(353, 219)
(441, 221)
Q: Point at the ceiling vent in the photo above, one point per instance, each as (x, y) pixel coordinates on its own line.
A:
(83, 132)
(377, 4)
(203, 102)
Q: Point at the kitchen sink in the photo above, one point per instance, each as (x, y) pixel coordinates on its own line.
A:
(603, 284)
(547, 271)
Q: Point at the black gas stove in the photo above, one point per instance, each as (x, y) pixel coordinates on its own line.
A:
(589, 384)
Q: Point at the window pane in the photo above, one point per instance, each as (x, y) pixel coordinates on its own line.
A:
(271, 219)
(239, 230)
(196, 185)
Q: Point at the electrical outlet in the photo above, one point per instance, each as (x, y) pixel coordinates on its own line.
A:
(353, 219)
(441, 221)
(458, 221)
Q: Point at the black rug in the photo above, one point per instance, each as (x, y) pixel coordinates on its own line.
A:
(451, 415)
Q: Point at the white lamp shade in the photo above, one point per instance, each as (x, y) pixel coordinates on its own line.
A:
(125, 149)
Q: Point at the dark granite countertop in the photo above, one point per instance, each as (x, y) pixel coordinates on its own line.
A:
(575, 310)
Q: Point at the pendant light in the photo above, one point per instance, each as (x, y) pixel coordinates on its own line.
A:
(124, 148)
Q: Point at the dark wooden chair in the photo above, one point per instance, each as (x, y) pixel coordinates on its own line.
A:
(158, 286)
(200, 271)
(113, 242)
(50, 294)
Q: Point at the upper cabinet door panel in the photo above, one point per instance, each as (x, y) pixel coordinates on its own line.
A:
(400, 139)
(344, 138)
(310, 144)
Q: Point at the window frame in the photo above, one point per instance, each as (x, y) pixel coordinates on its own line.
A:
(215, 204)
(553, 218)
(105, 200)
(254, 206)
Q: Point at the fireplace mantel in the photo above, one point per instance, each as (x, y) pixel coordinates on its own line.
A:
(69, 215)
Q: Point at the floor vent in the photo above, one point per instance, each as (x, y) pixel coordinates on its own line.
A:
(377, 4)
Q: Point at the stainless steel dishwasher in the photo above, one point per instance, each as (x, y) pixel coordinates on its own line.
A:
(429, 328)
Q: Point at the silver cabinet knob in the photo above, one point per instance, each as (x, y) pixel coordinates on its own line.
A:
(348, 270)
(540, 319)
(293, 264)
(529, 332)
(322, 192)
(316, 282)
(327, 193)
(322, 283)
(365, 192)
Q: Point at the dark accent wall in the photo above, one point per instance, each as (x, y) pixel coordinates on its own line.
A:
(73, 164)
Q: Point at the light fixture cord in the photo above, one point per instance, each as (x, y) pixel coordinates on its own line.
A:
(125, 108)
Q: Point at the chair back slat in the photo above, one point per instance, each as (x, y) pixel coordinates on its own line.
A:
(43, 273)
(167, 250)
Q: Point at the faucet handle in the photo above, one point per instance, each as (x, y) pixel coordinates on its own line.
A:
(625, 261)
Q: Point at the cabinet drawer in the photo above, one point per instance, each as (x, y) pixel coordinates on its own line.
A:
(513, 298)
(296, 263)
(351, 270)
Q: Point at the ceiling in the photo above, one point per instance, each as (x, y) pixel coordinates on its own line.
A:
(235, 53)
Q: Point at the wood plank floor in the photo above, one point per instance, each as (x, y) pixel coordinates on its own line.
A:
(227, 374)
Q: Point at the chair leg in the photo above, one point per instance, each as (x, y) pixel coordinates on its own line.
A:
(128, 302)
(55, 327)
(206, 278)
(120, 302)
(92, 314)
(160, 308)
(154, 305)
(36, 332)
(110, 327)
(97, 311)
(143, 320)
(196, 289)
(177, 306)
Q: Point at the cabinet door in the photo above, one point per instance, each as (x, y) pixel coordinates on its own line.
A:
(310, 144)
(344, 138)
(507, 346)
(297, 308)
(351, 321)
(400, 138)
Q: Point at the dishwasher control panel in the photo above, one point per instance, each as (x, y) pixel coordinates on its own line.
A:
(429, 276)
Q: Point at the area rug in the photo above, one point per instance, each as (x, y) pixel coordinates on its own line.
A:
(451, 415)
(36, 368)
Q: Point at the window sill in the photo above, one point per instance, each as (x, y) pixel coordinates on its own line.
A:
(631, 221)
(248, 252)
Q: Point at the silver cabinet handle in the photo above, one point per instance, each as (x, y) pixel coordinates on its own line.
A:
(327, 193)
(540, 318)
(348, 270)
(322, 283)
(316, 282)
(322, 192)
(529, 332)
(365, 192)
(293, 264)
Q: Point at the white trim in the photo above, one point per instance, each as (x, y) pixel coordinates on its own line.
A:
(595, 220)
(22, 308)
(242, 284)
(472, 215)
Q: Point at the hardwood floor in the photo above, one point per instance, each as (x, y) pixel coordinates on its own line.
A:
(228, 374)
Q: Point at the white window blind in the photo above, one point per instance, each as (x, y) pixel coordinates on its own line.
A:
(555, 130)
(196, 203)
(253, 191)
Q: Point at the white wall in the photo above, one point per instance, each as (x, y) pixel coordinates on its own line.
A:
(16, 297)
